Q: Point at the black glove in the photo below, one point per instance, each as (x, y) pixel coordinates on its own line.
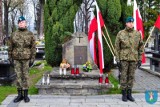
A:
(118, 64)
(139, 63)
(11, 62)
(31, 62)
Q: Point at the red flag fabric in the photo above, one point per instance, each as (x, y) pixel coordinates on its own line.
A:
(100, 23)
(95, 25)
(157, 23)
(91, 37)
(138, 25)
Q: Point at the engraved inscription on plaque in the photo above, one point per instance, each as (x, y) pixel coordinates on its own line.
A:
(80, 55)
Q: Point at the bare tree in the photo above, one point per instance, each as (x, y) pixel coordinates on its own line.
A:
(7, 8)
(13, 17)
(83, 16)
(38, 14)
(35, 3)
(1, 31)
(41, 18)
(21, 8)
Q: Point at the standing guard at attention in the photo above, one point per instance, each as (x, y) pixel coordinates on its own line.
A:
(128, 49)
(22, 51)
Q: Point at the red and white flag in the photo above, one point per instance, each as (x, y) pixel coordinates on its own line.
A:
(95, 25)
(100, 23)
(138, 24)
(157, 23)
(91, 37)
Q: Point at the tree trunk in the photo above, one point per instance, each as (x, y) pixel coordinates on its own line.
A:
(86, 18)
(38, 7)
(35, 15)
(13, 16)
(6, 18)
(1, 31)
(41, 26)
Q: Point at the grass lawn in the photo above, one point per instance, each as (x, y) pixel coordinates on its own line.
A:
(35, 74)
(115, 89)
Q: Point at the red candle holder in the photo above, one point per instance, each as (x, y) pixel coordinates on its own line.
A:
(100, 80)
(77, 71)
(106, 81)
(72, 71)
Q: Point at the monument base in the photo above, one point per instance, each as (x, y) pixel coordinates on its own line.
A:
(87, 83)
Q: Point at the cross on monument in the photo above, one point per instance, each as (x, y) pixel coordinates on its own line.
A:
(79, 38)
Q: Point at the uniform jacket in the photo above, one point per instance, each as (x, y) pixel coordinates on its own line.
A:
(128, 45)
(22, 45)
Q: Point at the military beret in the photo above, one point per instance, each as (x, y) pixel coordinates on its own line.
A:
(129, 19)
(21, 18)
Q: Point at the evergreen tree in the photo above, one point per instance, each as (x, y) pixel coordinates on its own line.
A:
(111, 12)
(150, 10)
(126, 11)
(58, 17)
(113, 15)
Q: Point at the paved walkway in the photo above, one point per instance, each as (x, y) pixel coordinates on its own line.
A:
(79, 101)
(144, 81)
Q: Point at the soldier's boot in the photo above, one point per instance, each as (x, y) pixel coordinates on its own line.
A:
(129, 95)
(26, 98)
(19, 97)
(124, 95)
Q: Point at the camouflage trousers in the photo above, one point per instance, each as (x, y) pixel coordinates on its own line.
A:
(22, 73)
(127, 74)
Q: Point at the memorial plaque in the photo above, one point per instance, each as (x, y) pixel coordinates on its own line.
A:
(80, 55)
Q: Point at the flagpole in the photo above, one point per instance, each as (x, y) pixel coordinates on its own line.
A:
(109, 38)
(108, 44)
(149, 37)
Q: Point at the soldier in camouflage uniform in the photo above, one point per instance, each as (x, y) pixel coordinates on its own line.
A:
(128, 49)
(22, 54)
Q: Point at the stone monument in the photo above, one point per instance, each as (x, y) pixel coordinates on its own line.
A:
(76, 50)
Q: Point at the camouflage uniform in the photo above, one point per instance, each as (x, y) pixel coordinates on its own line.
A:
(22, 51)
(129, 47)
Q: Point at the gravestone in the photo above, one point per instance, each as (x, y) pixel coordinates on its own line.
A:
(7, 74)
(76, 50)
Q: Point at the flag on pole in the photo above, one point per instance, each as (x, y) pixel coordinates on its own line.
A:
(91, 37)
(95, 25)
(157, 23)
(100, 23)
(138, 25)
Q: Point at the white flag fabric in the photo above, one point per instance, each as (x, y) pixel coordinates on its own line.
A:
(100, 23)
(95, 25)
(92, 38)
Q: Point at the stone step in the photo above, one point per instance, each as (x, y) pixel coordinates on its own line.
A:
(87, 83)
(82, 75)
(73, 87)
(92, 74)
(146, 67)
